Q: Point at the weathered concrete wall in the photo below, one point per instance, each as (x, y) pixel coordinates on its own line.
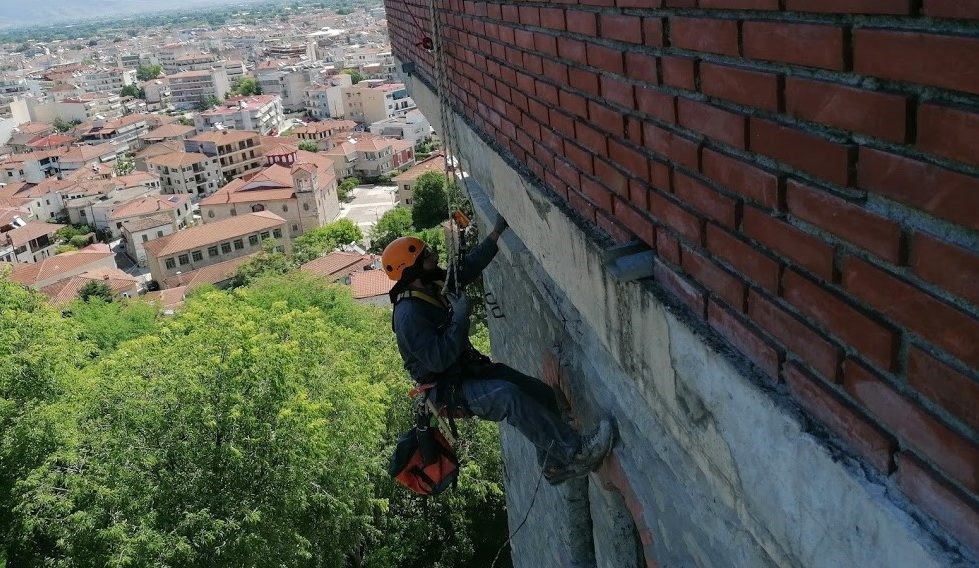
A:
(716, 467)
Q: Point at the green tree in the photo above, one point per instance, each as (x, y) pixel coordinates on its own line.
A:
(246, 86)
(207, 102)
(355, 75)
(430, 201)
(346, 187)
(393, 224)
(147, 72)
(61, 125)
(267, 262)
(308, 145)
(107, 324)
(124, 166)
(134, 91)
(64, 248)
(68, 232)
(96, 291)
(315, 243)
(79, 241)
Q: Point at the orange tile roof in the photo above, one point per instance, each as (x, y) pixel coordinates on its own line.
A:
(168, 299)
(147, 205)
(86, 153)
(64, 291)
(32, 230)
(211, 233)
(29, 274)
(151, 222)
(159, 148)
(173, 130)
(370, 283)
(336, 265)
(434, 163)
(213, 274)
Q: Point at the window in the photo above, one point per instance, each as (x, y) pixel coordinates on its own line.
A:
(159, 234)
(258, 207)
(295, 228)
(171, 264)
(305, 206)
(210, 214)
(285, 207)
(197, 256)
(239, 244)
(280, 248)
(234, 213)
(145, 238)
(183, 259)
(253, 240)
(82, 213)
(212, 251)
(225, 248)
(265, 235)
(277, 233)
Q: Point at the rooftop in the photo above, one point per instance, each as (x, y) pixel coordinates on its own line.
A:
(64, 291)
(30, 274)
(211, 233)
(32, 230)
(224, 136)
(213, 274)
(336, 265)
(148, 205)
(434, 163)
(177, 159)
(370, 283)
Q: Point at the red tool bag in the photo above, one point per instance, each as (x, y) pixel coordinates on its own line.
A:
(424, 461)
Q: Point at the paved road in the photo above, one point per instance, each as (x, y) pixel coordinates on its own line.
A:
(369, 203)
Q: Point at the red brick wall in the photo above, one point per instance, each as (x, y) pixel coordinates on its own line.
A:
(807, 170)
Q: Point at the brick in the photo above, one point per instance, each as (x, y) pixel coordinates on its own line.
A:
(511, 13)
(789, 242)
(949, 132)
(580, 204)
(667, 246)
(673, 147)
(582, 158)
(878, 114)
(660, 175)
(680, 287)
(802, 150)
(605, 118)
(582, 22)
(715, 278)
(567, 173)
(952, 9)
(552, 18)
(611, 177)
(572, 49)
(621, 27)
(557, 72)
(945, 61)
(847, 221)
(752, 88)
(740, 4)
(801, 44)
(618, 91)
(897, 7)
(605, 58)
(591, 139)
(596, 193)
(641, 67)
(944, 386)
(613, 228)
(936, 498)
(672, 215)
(639, 194)
(933, 319)
(656, 104)
(545, 43)
(713, 122)
(652, 30)
(947, 265)
(747, 260)
(570, 102)
(737, 176)
(529, 16)
(932, 189)
(629, 159)
(744, 339)
(795, 335)
(524, 39)
(705, 200)
(635, 221)
(678, 72)
(867, 440)
(954, 455)
(871, 338)
(583, 80)
(704, 34)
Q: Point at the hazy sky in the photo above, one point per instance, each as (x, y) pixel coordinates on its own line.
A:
(26, 12)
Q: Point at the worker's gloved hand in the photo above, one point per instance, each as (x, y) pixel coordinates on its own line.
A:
(460, 304)
(500, 225)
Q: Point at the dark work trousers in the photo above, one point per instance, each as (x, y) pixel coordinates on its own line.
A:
(497, 392)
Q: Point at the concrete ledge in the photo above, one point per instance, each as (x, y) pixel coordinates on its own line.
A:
(721, 466)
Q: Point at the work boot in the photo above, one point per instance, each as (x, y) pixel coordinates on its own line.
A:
(592, 450)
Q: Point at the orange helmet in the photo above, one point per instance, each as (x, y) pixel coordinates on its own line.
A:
(400, 255)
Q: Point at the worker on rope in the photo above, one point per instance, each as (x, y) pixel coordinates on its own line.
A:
(433, 337)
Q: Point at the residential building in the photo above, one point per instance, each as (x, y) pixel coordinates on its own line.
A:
(176, 208)
(211, 243)
(33, 167)
(402, 154)
(189, 88)
(218, 275)
(55, 268)
(167, 55)
(103, 197)
(413, 127)
(298, 186)
(191, 173)
(158, 94)
(235, 69)
(173, 131)
(137, 232)
(322, 132)
(199, 61)
(28, 241)
(406, 180)
(325, 100)
(238, 151)
(261, 113)
(338, 264)
(343, 153)
(123, 132)
(26, 133)
(82, 107)
(289, 82)
(51, 142)
(371, 101)
(120, 284)
(106, 79)
(79, 157)
(370, 287)
(157, 149)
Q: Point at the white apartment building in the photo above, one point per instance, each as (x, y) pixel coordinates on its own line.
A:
(325, 100)
(111, 79)
(195, 62)
(188, 88)
(412, 126)
(237, 151)
(262, 113)
(370, 101)
(192, 173)
(289, 83)
(81, 108)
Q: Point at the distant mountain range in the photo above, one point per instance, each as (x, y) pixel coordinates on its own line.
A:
(17, 13)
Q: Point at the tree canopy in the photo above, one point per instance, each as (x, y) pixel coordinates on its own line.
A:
(315, 243)
(393, 224)
(308, 145)
(355, 75)
(430, 200)
(133, 91)
(246, 86)
(147, 72)
(94, 289)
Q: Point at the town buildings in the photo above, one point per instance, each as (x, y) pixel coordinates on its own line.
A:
(406, 180)
(237, 151)
(261, 113)
(191, 173)
(371, 101)
(188, 89)
(324, 100)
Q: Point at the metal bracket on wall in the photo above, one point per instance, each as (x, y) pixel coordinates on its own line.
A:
(408, 67)
(628, 262)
